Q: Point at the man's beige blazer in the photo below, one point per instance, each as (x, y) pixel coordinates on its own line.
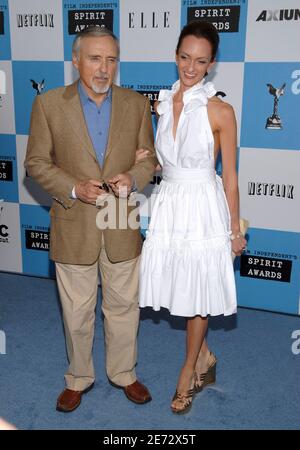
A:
(60, 153)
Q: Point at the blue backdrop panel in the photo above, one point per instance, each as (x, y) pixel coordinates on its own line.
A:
(34, 222)
(80, 13)
(51, 73)
(258, 105)
(148, 78)
(5, 53)
(230, 19)
(271, 268)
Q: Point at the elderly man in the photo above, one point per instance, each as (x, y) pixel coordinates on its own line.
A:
(83, 139)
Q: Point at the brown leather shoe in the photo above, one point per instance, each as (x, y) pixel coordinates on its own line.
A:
(70, 400)
(137, 393)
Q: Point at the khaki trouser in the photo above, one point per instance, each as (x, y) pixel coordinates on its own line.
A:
(77, 285)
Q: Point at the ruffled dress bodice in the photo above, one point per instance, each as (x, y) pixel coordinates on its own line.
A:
(193, 146)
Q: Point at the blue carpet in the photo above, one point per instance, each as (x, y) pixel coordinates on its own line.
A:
(257, 374)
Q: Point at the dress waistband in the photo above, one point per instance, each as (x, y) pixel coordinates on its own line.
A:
(178, 174)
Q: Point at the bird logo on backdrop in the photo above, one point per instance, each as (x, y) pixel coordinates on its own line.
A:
(38, 86)
(277, 92)
(274, 121)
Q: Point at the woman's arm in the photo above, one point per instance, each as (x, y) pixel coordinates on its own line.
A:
(228, 143)
(143, 153)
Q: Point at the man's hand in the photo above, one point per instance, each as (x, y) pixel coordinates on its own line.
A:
(88, 191)
(121, 184)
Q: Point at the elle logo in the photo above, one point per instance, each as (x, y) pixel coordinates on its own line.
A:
(151, 20)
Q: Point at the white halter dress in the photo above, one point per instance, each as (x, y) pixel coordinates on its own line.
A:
(186, 263)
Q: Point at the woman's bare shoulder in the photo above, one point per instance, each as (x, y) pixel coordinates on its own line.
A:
(221, 108)
(219, 103)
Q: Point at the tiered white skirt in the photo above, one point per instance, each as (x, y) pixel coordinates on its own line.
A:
(186, 263)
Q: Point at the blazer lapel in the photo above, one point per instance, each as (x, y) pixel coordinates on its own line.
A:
(73, 111)
(118, 117)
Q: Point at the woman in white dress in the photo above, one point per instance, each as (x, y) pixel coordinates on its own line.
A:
(186, 264)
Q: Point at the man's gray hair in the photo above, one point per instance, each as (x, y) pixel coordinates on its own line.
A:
(93, 32)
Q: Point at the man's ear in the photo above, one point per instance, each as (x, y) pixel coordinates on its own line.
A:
(75, 60)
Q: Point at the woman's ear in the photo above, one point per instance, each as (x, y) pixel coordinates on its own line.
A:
(211, 65)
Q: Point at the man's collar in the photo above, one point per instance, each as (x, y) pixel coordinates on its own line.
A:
(84, 98)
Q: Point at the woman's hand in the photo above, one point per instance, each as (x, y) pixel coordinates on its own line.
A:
(141, 154)
(238, 243)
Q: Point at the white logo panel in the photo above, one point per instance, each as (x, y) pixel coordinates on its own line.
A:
(36, 30)
(149, 30)
(2, 82)
(71, 73)
(7, 111)
(269, 187)
(227, 78)
(10, 240)
(30, 192)
(273, 31)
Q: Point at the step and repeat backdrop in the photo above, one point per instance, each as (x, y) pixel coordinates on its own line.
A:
(258, 72)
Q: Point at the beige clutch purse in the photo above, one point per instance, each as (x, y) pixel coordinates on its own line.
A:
(244, 225)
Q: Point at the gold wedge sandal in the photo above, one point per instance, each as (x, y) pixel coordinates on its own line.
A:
(209, 377)
(185, 401)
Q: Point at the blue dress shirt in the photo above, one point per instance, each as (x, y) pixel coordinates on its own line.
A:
(97, 119)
